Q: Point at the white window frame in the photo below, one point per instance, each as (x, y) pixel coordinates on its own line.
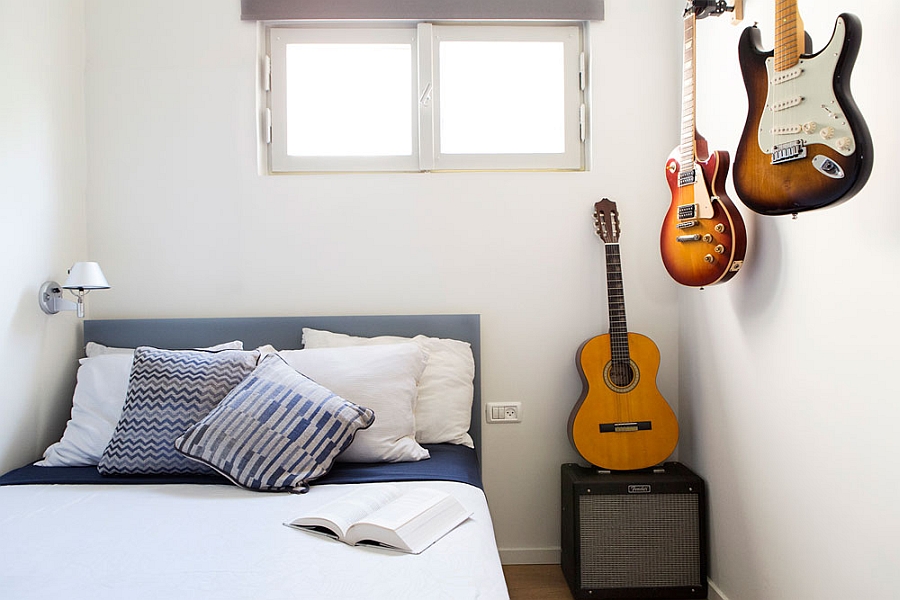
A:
(425, 114)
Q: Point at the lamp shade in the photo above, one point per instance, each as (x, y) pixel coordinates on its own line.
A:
(86, 276)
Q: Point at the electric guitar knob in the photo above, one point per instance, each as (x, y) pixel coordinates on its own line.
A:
(720, 227)
(708, 238)
(827, 133)
(720, 249)
(810, 127)
(709, 258)
(844, 144)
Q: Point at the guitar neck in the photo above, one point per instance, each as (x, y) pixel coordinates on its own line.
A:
(687, 149)
(789, 37)
(618, 327)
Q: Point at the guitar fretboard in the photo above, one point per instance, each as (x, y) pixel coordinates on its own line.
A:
(789, 39)
(618, 327)
(688, 111)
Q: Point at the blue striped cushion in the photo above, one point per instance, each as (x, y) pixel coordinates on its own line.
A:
(275, 431)
(168, 391)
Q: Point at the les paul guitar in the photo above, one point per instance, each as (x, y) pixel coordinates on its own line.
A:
(804, 145)
(621, 421)
(703, 239)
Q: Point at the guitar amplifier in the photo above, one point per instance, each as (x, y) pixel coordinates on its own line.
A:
(634, 534)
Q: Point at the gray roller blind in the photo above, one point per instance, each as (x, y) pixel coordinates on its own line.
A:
(272, 10)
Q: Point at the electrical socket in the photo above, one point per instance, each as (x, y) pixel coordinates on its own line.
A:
(503, 412)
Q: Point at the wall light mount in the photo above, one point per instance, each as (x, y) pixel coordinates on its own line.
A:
(83, 277)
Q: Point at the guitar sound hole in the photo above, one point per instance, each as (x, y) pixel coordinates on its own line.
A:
(621, 374)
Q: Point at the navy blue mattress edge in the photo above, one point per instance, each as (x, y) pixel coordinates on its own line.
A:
(448, 462)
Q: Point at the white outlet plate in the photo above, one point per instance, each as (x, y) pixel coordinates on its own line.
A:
(503, 412)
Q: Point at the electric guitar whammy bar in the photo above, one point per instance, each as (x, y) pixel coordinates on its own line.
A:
(703, 239)
(621, 421)
(804, 145)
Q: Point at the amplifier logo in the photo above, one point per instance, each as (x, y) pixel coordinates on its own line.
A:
(638, 489)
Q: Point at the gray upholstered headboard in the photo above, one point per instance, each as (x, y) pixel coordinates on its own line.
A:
(285, 333)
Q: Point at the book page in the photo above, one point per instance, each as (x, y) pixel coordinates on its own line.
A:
(411, 522)
(341, 513)
(404, 508)
(433, 524)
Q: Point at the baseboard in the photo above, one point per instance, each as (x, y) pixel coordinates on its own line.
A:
(714, 592)
(529, 556)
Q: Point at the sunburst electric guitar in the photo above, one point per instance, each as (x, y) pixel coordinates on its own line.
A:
(805, 145)
(703, 239)
(621, 421)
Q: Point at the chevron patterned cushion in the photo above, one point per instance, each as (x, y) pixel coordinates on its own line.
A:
(168, 391)
(276, 431)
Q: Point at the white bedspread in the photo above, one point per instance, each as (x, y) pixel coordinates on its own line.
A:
(221, 542)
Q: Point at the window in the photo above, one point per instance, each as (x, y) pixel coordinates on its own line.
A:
(425, 97)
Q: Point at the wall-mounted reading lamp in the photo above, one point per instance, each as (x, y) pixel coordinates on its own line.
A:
(83, 277)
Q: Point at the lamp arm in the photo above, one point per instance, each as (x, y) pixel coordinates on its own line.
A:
(51, 300)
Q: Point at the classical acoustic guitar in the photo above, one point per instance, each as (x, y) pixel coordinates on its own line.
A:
(703, 239)
(621, 421)
(805, 144)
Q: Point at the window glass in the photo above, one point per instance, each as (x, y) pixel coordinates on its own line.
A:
(502, 97)
(348, 99)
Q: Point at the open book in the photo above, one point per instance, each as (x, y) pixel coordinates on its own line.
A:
(387, 517)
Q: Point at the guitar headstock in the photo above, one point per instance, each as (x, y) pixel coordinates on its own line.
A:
(606, 221)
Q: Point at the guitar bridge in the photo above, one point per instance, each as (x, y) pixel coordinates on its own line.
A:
(788, 151)
(625, 427)
(687, 224)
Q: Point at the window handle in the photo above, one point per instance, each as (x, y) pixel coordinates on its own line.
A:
(425, 98)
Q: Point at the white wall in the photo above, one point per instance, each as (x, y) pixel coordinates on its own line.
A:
(42, 229)
(184, 226)
(789, 387)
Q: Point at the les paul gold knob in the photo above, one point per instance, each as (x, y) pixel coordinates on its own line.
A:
(708, 238)
(720, 227)
(709, 258)
(720, 249)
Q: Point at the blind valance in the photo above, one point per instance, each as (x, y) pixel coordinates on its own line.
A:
(568, 10)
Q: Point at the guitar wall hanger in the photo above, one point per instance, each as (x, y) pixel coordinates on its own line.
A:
(716, 8)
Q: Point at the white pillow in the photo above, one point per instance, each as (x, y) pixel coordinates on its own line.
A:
(92, 349)
(444, 405)
(96, 408)
(382, 378)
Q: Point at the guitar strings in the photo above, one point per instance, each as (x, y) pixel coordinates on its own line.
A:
(619, 343)
(789, 44)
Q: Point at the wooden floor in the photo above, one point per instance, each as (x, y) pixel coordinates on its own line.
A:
(536, 582)
(539, 582)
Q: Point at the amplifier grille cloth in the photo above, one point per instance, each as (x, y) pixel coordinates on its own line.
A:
(639, 541)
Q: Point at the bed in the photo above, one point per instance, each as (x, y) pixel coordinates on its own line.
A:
(71, 531)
